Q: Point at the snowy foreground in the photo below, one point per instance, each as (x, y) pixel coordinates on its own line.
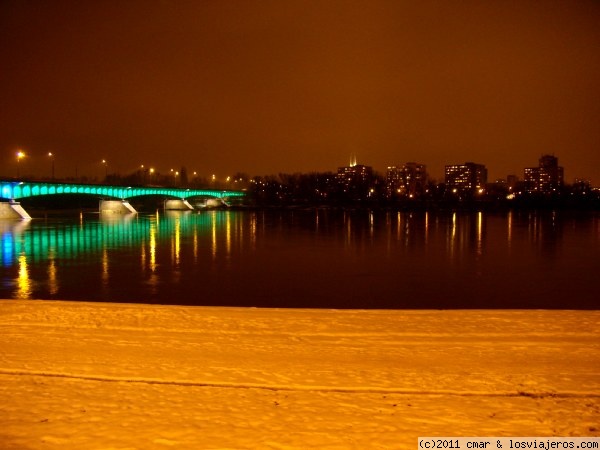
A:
(114, 376)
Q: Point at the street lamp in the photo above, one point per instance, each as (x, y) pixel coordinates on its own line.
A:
(51, 156)
(20, 156)
(105, 169)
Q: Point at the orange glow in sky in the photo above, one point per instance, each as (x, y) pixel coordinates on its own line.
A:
(269, 87)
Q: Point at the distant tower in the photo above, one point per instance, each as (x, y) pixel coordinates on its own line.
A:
(355, 180)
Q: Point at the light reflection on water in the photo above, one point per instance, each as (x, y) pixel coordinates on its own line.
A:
(24, 283)
(315, 258)
(52, 278)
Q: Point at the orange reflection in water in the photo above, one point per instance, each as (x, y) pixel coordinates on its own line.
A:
(52, 279)
(177, 242)
(509, 224)
(253, 220)
(228, 234)
(152, 247)
(195, 245)
(153, 280)
(451, 241)
(143, 256)
(479, 233)
(23, 281)
(213, 219)
(426, 226)
(105, 275)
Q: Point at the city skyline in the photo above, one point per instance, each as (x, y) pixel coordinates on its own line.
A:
(265, 88)
(101, 170)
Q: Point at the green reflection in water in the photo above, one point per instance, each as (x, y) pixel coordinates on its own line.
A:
(24, 243)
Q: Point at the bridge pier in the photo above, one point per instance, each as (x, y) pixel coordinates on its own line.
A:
(178, 205)
(215, 203)
(210, 203)
(13, 210)
(116, 207)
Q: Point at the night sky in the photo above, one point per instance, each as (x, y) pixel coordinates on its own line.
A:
(286, 86)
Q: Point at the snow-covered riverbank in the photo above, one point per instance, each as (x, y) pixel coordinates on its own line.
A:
(83, 375)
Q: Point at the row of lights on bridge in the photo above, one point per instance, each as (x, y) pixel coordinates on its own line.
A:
(21, 154)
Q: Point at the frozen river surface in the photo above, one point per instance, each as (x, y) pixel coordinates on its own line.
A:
(115, 376)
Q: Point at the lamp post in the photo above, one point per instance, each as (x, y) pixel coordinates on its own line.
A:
(20, 156)
(51, 156)
(105, 169)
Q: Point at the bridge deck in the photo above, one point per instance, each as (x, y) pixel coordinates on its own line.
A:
(15, 190)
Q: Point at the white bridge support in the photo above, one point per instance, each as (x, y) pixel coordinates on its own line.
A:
(215, 203)
(13, 210)
(116, 207)
(211, 203)
(178, 205)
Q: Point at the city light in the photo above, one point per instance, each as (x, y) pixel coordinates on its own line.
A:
(51, 156)
(465, 183)
(20, 156)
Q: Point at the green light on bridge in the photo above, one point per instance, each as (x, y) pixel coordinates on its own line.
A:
(12, 190)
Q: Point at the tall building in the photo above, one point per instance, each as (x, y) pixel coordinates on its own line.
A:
(410, 180)
(468, 178)
(355, 180)
(548, 177)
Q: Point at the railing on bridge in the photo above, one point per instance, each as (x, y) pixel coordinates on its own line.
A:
(14, 190)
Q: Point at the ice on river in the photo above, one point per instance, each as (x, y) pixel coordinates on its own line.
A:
(116, 376)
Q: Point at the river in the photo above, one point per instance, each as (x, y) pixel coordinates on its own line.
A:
(308, 259)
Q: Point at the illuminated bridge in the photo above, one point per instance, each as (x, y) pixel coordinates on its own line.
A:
(114, 198)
